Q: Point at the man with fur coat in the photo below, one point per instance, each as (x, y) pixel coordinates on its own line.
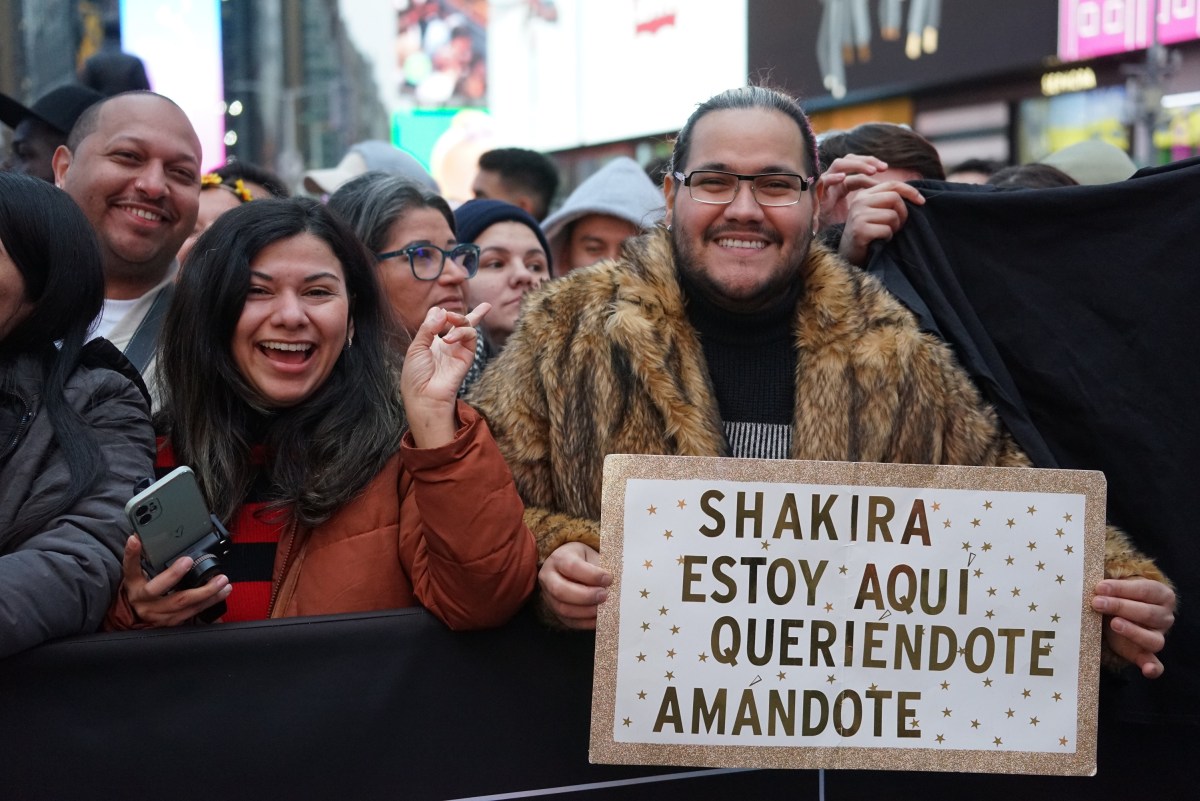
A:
(730, 332)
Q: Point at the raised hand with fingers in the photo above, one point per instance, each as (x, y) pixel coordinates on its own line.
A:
(437, 361)
(152, 600)
(843, 177)
(875, 213)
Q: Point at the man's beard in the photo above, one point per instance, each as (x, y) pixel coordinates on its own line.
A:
(784, 286)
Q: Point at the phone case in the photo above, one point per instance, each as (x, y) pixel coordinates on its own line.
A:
(168, 516)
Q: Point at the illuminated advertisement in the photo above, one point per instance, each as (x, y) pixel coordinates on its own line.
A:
(180, 44)
(571, 73)
(1091, 28)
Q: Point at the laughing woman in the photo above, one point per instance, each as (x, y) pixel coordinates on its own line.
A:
(279, 394)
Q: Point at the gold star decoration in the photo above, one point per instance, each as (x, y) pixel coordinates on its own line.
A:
(990, 614)
(669, 675)
(1031, 510)
(642, 695)
(987, 682)
(648, 564)
(681, 503)
(1032, 607)
(843, 570)
(946, 712)
(674, 630)
(873, 687)
(1057, 696)
(703, 657)
(975, 523)
(937, 507)
(1011, 522)
(940, 739)
(991, 590)
(662, 611)
(1025, 693)
(667, 534)
(987, 504)
(671, 654)
(974, 724)
(1058, 532)
(828, 607)
(1059, 579)
(1069, 549)
(679, 559)
(1032, 545)
(997, 741)
(1034, 721)
(830, 680)
(978, 573)
(1016, 592)
(766, 546)
(945, 685)
(641, 657)
(645, 593)
(1008, 560)
(987, 546)
(1041, 566)
(966, 546)
(627, 722)
(946, 524)
(1062, 740)
(914, 724)
(1009, 713)
(1054, 618)
(962, 651)
(1067, 517)
(645, 626)
(782, 675)
(652, 509)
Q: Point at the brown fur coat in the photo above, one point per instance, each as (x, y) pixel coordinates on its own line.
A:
(605, 361)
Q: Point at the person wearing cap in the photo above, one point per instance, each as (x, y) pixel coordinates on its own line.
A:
(617, 202)
(1093, 161)
(42, 128)
(132, 163)
(372, 155)
(514, 259)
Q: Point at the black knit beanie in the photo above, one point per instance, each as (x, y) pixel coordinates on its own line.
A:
(475, 216)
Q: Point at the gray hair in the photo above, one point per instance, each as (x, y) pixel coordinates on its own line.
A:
(372, 202)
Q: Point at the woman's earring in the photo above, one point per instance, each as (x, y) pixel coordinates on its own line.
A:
(349, 341)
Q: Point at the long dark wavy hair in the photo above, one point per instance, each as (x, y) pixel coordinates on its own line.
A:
(54, 249)
(319, 453)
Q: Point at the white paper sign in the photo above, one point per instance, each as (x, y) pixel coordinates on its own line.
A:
(774, 614)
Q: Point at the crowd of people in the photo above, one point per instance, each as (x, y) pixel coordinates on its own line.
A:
(389, 402)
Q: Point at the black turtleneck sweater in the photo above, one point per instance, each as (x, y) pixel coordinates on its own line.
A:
(752, 362)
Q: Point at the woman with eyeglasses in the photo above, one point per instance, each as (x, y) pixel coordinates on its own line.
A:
(279, 392)
(420, 263)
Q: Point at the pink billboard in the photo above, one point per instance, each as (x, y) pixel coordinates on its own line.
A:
(1091, 28)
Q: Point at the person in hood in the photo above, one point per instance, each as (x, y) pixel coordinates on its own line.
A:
(617, 202)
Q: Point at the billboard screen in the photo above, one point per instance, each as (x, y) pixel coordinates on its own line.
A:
(1091, 28)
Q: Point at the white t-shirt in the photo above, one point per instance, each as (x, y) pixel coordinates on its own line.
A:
(112, 313)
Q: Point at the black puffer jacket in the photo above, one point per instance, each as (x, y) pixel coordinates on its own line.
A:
(59, 579)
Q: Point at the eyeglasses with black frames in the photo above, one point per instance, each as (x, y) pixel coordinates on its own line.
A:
(428, 261)
(769, 188)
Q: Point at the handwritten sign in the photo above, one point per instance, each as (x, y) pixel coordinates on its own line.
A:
(819, 614)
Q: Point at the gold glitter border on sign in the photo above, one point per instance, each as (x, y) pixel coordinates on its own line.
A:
(620, 468)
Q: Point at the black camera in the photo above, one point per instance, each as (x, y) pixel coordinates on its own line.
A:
(172, 520)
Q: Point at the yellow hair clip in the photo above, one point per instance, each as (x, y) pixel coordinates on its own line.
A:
(238, 189)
